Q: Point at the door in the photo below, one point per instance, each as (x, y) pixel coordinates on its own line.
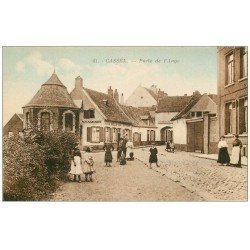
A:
(195, 134)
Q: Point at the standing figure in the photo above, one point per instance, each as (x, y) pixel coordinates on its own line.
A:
(172, 147)
(153, 156)
(223, 157)
(88, 165)
(76, 168)
(119, 149)
(236, 152)
(130, 150)
(124, 145)
(108, 147)
(168, 148)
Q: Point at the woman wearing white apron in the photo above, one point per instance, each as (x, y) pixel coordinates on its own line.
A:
(236, 152)
(130, 150)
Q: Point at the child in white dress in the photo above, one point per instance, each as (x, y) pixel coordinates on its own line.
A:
(76, 165)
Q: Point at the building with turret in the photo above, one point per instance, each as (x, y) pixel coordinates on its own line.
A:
(51, 108)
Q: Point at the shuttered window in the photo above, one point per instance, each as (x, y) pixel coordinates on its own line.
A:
(89, 134)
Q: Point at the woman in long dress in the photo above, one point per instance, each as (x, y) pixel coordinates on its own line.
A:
(130, 150)
(76, 165)
(119, 149)
(108, 147)
(88, 165)
(236, 152)
(153, 156)
(223, 157)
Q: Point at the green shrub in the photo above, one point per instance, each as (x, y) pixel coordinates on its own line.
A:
(57, 147)
(25, 176)
(33, 165)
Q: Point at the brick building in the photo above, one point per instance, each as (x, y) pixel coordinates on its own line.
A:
(14, 126)
(51, 108)
(232, 92)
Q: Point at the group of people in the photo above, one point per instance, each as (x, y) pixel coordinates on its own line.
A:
(82, 164)
(124, 148)
(170, 146)
(224, 158)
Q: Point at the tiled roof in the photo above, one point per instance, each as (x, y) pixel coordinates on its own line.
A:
(52, 93)
(136, 115)
(193, 100)
(172, 103)
(110, 109)
(20, 116)
(214, 98)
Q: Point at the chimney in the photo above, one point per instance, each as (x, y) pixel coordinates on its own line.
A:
(160, 94)
(196, 92)
(116, 95)
(78, 83)
(122, 99)
(110, 91)
(154, 88)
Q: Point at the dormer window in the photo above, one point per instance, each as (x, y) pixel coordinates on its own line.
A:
(196, 114)
(105, 101)
(90, 113)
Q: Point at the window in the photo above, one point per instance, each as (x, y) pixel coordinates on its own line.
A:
(90, 113)
(198, 114)
(45, 121)
(27, 120)
(95, 134)
(115, 135)
(228, 118)
(243, 62)
(152, 135)
(107, 134)
(68, 122)
(148, 135)
(243, 115)
(229, 69)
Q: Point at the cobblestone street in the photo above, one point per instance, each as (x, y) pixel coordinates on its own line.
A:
(201, 176)
(132, 182)
(180, 177)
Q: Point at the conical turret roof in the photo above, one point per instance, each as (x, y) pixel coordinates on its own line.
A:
(52, 94)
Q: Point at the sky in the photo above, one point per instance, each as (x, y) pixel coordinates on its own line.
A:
(176, 70)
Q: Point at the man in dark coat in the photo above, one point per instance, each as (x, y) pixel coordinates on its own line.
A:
(124, 145)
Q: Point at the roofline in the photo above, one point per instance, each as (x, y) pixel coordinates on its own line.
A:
(173, 119)
(92, 102)
(42, 106)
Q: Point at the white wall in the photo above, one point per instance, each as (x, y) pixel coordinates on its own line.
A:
(140, 98)
(143, 132)
(162, 120)
(180, 131)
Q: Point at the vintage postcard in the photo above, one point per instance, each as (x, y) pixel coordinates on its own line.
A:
(125, 123)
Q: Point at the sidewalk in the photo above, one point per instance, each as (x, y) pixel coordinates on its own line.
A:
(215, 157)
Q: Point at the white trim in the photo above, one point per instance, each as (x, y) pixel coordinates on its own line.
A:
(74, 120)
(229, 85)
(243, 78)
(39, 118)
